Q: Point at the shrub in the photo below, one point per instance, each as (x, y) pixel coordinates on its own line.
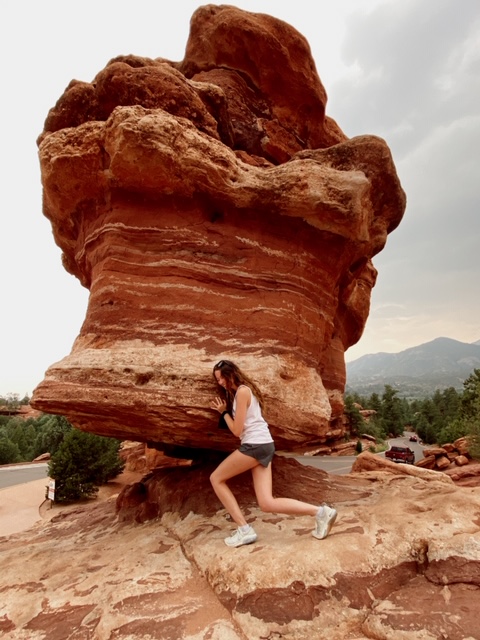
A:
(51, 431)
(355, 420)
(9, 451)
(474, 440)
(452, 431)
(82, 463)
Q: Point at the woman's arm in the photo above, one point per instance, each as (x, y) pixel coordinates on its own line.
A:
(243, 398)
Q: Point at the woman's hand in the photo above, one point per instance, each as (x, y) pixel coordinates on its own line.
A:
(219, 405)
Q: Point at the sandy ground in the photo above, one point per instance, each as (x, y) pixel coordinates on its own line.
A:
(22, 505)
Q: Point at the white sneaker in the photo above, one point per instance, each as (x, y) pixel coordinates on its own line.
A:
(238, 538)
(324, 523)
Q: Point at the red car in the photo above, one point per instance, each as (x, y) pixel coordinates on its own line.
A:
(400, 454)
(413, 439)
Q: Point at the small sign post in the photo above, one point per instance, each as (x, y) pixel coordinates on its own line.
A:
(51, 490)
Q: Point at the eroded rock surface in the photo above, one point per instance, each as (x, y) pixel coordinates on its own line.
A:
(401, 563)
(213, 210)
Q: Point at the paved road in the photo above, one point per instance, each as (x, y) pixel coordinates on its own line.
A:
(341, 465)
(11, 475)
(403, 441)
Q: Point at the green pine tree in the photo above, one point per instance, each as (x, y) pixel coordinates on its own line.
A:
(82, 463)
(9, 451)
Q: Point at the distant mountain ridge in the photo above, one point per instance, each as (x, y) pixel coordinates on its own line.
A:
(415, 372)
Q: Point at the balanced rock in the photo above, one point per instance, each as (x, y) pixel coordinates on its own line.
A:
(213, 210)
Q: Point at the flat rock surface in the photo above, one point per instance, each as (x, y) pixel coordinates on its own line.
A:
(402, 562)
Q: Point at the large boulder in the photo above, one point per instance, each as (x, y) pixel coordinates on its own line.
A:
(213, 210)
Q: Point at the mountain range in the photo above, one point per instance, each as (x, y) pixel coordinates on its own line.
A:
(416, 372)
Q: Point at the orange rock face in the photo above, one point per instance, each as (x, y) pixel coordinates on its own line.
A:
(214, 211)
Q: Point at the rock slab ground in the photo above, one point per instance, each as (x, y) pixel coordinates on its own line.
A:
(402, 562)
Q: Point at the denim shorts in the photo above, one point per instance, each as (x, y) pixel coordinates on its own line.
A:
(262, 452)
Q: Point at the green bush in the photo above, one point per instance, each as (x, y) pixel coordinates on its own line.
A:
(9, 451)
(82, 463)
(452, 431)
(51, 430)
(27, 439)
(21, 433)
(355, 420)
(474, 441)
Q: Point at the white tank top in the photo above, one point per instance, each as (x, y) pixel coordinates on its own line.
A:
(255, 429)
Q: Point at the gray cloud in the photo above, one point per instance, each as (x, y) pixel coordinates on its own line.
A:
(416, 66)
(415, 80)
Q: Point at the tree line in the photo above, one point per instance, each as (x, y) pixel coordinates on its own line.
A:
(441, 418)
(12, 401)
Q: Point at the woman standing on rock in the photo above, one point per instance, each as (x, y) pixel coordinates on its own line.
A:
(256, 452)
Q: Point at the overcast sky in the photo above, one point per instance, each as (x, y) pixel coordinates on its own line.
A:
(406, 70)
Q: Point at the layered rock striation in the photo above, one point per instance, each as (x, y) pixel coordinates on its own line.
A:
(213, 210)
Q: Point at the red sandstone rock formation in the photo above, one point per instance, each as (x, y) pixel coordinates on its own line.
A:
(447, 456)
(22, 411)
(467, 476)
(213, 210)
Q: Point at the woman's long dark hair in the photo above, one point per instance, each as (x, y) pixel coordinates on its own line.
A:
(235, 376)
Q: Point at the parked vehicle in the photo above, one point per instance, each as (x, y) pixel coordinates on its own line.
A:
(400, 454)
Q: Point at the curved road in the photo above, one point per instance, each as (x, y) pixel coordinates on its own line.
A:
(403, 441)
(340, 465)
(11, 475)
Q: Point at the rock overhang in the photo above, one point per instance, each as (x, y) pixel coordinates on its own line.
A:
(212, 211)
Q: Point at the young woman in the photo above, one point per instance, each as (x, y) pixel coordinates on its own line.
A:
(241, 407)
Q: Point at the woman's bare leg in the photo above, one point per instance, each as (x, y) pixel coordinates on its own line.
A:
(262, 482)
(234, 465)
